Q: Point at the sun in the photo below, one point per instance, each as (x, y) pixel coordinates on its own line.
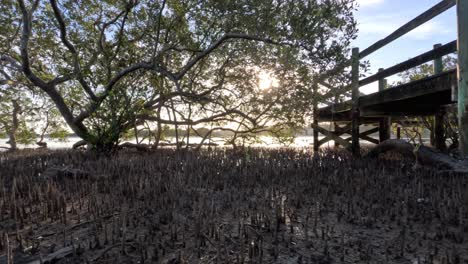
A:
(266, 81)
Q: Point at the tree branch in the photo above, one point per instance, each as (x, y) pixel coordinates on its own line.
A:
(72, 49)
(215, 45)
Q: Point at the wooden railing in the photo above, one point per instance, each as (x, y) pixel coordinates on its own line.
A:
(433, 55)
(411, 63)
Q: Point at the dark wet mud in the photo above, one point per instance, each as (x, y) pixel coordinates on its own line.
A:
(226, 206)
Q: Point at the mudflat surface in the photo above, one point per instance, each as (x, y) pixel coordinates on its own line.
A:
(226, 206)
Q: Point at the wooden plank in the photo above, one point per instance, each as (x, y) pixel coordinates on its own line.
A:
(411, 63)
(334, 117)
(366, 138)
(339, 131)
(355, 149)
(462, 22)
(416, 22)
(323, 141)
(432, 84)
(370, 139)
(330, 135)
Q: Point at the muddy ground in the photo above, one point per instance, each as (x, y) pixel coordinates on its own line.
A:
(226, 206)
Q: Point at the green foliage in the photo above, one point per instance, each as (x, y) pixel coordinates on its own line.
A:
(284, 134)
(25, 135)
(108, 65)
(60, 134)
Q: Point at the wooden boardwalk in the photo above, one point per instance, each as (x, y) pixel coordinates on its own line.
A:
(425, 97)
(419, 98)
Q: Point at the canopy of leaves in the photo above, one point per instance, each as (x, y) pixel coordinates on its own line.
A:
(109, 66)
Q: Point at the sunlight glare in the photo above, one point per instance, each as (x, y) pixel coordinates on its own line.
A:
(266, 81)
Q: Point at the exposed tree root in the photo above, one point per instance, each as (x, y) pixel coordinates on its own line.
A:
(424, 156)
(79, 144)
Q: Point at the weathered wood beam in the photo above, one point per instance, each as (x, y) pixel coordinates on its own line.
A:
(385, 124)
(355, 149)
(462, 70)
(432, 84)
(323, 141)
(416, 22)
(331, 135)
(439, 132)
(411, 63)
(365, 136)
(339, 131)
(316, 116)
(369, 139)
(438, 52)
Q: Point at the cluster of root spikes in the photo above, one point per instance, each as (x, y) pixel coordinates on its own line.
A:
(228, 206)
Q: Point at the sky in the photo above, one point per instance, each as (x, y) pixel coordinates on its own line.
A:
(378, 18)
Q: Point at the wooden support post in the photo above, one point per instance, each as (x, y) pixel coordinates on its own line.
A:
(337, 127)
(355, 149)
(315, 121)
(398, 133)
(438, 131)
(335, 124)
(385, 124)
(462, 44)
(316, 133)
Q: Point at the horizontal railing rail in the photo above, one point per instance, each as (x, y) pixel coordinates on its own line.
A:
(406, 28)
(436, 53)
(446, 49)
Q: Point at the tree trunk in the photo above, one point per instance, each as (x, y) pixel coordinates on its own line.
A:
(12, 141)
(14, 127)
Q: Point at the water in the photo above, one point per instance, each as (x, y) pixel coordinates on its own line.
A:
(264, 141)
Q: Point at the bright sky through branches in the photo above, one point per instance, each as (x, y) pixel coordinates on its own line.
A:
(266, 81)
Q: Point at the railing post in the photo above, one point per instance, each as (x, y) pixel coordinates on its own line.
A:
(385, 124)
(355, 97)
(462, 44)
(438, 65)
(439, 132)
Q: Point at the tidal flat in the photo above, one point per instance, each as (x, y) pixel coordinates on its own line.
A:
(228, 206)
